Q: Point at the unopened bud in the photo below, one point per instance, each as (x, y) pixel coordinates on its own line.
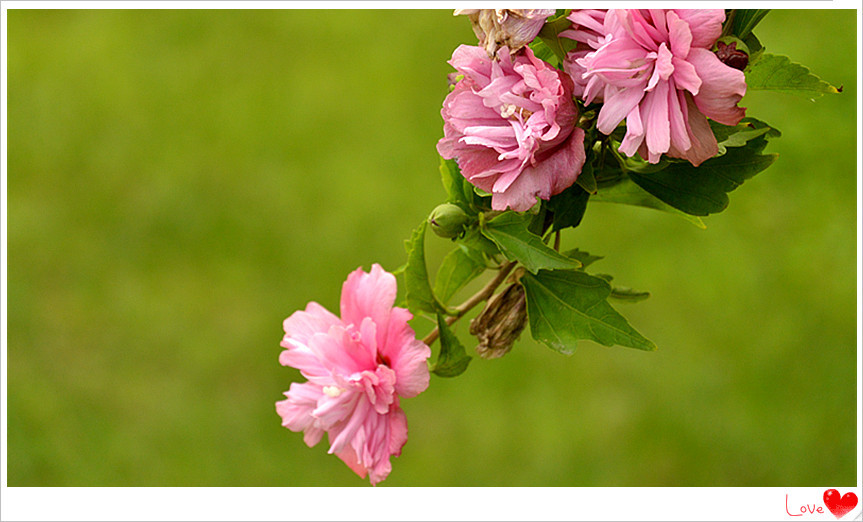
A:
(500, 323)
(448, 220)
(732, 52)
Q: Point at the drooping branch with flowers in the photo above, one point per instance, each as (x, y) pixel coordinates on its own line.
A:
(550, 111)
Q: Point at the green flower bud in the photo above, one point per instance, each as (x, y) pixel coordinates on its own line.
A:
(448, 220)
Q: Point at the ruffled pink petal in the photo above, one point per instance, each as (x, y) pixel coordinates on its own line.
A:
(473, 62)
(639, 30)
(296, 411)
(721, 89)
(380, 438)
(349, 457)
(685, 76)
(412, 369)
(662, 67)
(378, 387)
(342, 351)
(657, 132)
(656, 24)
(548, 177)
(367, 441)
(587, 26)
(463, 108)
(677, 122)
(300, 327)
(335, 406)
(343, 431)
(308, 362)
(705, 25)
(396, 436)
(303, 324)
(406, 355)
(617, 107)
(679, 35)
(483, 164)
(370, 295)
(576, 71)
(703, 144)
(634, 136)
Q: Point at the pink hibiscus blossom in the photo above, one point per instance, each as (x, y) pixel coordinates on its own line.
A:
(510, 123)
(357, 368)
(654, 68)
(513, 28)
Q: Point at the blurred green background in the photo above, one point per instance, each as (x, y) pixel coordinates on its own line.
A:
(179, 182)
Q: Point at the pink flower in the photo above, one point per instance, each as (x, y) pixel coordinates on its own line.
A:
(654, 68)
(513, 28)
(587, 29)
(357, 368)
(510, 123)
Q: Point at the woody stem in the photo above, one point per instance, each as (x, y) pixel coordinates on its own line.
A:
(473, 300)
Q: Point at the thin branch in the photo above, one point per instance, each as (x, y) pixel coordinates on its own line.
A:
(473, 300)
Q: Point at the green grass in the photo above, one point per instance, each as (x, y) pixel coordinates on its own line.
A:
(179, 182)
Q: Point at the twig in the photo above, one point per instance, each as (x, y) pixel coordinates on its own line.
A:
(473, 300)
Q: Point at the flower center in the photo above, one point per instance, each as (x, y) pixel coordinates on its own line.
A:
(509, 110)
(383, 359)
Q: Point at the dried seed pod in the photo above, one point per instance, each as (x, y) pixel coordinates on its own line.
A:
(500, 323)
(512, 28)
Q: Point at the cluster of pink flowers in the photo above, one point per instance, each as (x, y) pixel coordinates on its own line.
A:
(512, 124)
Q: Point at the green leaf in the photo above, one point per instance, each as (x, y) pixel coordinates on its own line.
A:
(418, 292)
(509, 231)
(474, 240)
(758, 124)
(703, 190)
(554, 25)
(542, 51)
(743, 21)
(565, 306)
(548, 35)
(583, 257)
(626, 192)
(739, 135)
(568, 207)
(452, 359)
(586, 179)
(457, 269)
(460, 191)
(772, 72)
(453, 183)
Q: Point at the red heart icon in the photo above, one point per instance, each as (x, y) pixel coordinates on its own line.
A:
(837, 505)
